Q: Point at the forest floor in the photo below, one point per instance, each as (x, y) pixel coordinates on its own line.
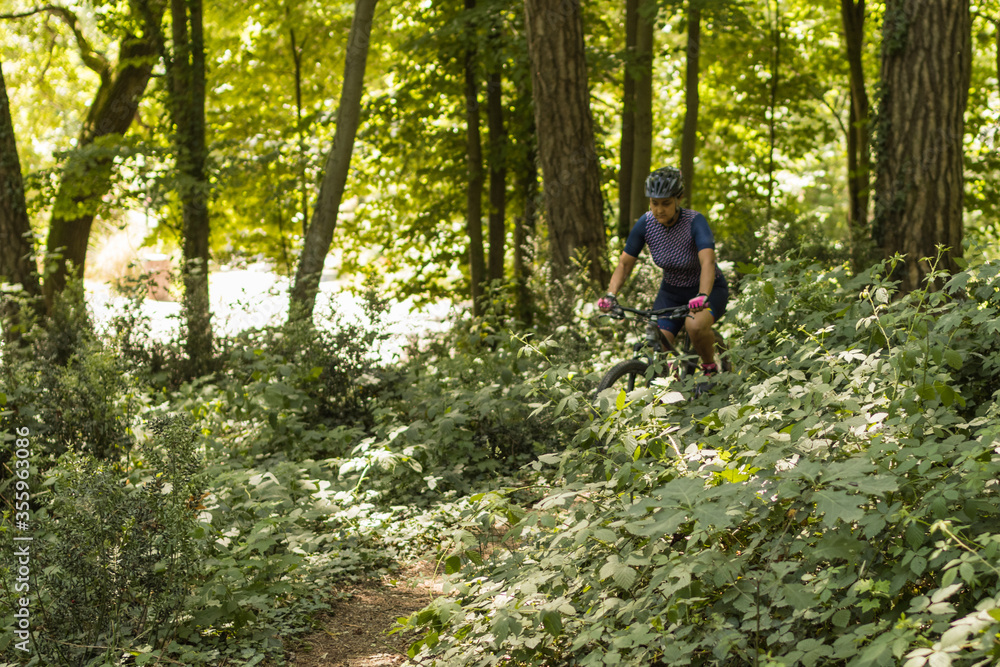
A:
(353, 632)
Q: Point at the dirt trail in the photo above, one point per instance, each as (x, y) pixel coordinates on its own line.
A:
(353, 633)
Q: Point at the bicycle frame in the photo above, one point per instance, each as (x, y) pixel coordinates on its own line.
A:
(655, 342)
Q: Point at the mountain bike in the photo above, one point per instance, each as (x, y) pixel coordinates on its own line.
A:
(655, 357)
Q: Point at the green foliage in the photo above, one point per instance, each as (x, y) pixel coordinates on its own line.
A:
(68, 385)
(833, 502)
(114, 555)
(294, 391)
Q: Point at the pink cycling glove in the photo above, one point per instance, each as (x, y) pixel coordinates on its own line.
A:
(698, 302)
(607, 302)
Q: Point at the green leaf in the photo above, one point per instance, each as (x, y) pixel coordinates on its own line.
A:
(552, 622)
(798, 596)
(838, 505)
(452, 564)
(624, 576)
(620, 401)
(833, 546)
(918, 565)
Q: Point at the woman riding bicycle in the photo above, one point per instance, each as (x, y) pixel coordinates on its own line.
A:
(681, 244)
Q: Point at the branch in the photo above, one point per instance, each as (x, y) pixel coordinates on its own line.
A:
(30, 12)
(91, 58)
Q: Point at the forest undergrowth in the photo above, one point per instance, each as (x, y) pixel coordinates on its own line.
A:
(833, 501)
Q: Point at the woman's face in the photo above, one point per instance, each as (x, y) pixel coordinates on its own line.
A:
(663, 210)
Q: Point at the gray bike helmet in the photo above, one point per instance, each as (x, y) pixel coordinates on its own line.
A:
(665, 182)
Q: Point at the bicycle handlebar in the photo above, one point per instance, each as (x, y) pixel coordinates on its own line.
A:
(619, 312)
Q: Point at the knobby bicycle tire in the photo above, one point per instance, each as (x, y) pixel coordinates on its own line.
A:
(633, 371)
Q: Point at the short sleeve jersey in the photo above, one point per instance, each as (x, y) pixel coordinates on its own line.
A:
(674, 249)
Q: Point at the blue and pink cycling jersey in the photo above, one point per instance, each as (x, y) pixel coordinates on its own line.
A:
(675, 250)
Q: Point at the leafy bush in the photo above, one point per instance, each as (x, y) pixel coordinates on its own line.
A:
(458, 422)
(72, 388)
(836, 502)
(116, 556)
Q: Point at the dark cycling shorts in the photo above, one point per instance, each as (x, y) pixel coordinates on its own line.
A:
(671, 296)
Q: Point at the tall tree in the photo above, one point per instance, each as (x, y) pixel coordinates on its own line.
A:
(926, 69)
(858, 145)
(776, 30)
(524, 230)
(186, 75)
(86, 178)
(627, 149)
(324, 219)
(300, 129)
(498, 171)
(642, 147)
(16, 252)
(570, 171)
(691, 100)
(474, 186)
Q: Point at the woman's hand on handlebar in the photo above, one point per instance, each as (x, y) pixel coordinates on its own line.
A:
(607, 302)
(698, 303)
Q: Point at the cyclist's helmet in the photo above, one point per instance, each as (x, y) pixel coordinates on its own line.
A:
(665, 182)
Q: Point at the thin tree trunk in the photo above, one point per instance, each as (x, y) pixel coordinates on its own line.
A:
(85, 181)
(858, 144)
(524, 232)
(625, 219)
(642, 155)
(775, 78)
(570, 170)
(926, 66)
(16, 249)
(324, 219)
(498, 170)
(691, 99)
(303, 186)
(187, 76)
(474, 189)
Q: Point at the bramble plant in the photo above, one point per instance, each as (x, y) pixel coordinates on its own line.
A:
(835, 502)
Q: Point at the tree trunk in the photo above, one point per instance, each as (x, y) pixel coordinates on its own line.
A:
(186, 70)
(926, 64)
(524, 232)
(85, 180)
(775, 78)
(17, 264)
(691, 99)
(642, 155)
(474, 188)
(570, 170)
(300, 129)
(858, 144)
(498, 170)
(625, 219)
(324, 219)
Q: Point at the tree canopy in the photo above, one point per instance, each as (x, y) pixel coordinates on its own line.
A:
(777, 84)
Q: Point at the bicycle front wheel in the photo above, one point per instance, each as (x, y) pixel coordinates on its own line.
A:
(626, 375)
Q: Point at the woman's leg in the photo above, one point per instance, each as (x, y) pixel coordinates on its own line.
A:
(699, 329)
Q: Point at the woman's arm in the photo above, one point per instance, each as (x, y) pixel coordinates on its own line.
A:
(706, 258)
(624, 269)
